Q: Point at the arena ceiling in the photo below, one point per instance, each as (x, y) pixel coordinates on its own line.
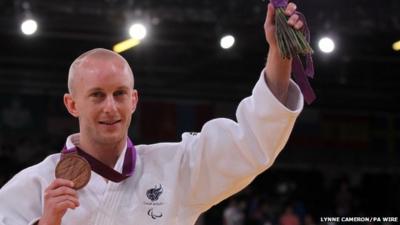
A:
(181, 58)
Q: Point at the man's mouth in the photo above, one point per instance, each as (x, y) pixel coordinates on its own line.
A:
(109, 122)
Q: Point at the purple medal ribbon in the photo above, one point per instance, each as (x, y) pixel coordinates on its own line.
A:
(102, 169)
(279, 3)
(301, 74)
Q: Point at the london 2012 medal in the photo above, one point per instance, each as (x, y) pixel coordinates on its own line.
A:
(74, 168)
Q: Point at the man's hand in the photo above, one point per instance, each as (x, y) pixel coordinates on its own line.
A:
(269, 25)
(59, 196)
(277, 69)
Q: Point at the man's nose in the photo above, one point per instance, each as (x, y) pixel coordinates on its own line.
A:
(110, 104)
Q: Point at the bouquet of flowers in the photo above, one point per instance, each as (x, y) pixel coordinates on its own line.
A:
(293, 44)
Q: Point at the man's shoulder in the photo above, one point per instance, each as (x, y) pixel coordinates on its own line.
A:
(157, 148)
(45, 165)
(187, 140)
(41, 171)
(167, 147)
(161, 152)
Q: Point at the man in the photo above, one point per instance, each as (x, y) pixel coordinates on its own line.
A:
(172, 183)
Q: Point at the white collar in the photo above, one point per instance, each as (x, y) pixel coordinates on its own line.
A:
(73, 141)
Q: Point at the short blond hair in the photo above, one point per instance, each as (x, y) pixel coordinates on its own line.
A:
(99, 53)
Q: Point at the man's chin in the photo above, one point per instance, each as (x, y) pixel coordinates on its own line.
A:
(110, 139)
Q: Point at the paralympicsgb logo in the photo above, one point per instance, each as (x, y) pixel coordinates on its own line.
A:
(154, 193)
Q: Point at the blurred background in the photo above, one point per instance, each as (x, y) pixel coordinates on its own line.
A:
(343, 157)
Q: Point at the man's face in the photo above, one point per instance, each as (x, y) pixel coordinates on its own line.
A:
(104, 100)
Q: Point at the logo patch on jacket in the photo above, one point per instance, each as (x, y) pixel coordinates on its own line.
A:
(153, 215)
(154, 193)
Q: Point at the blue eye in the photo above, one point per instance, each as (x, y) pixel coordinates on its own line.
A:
(96, 94)
(119, 93)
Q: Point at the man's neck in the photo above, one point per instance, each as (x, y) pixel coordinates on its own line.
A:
(105, 153)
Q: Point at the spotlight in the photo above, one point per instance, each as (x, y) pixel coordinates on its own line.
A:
(227, 41)
(29, 27)
(396, 46)
(326, 45)
(137, 31)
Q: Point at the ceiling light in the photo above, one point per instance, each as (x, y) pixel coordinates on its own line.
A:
(227, 41)
(29, 27)
(326, 45)
(396, 46)
(137, 31)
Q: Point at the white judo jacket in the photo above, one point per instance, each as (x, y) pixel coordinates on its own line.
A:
(173, 183)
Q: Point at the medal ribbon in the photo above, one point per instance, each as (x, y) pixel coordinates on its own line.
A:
(102, 169)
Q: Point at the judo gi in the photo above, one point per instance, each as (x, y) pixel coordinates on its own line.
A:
(173, 183)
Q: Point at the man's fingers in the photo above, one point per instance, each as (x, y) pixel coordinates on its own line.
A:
(63, 190)
(63, 201)
(290, 9)
(67, 205)
(298, 25)
(63, 206)
(60, 190)
(293, 20)
(270, 15)
(60, 182)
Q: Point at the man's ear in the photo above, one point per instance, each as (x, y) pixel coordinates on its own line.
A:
(135, 99)
(70, 104)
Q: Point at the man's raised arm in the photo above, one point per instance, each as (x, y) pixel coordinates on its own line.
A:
(278, 70)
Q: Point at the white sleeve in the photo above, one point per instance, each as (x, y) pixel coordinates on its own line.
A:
(227, 155)
(20, 200)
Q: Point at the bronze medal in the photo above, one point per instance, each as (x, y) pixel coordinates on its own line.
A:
(74, 168)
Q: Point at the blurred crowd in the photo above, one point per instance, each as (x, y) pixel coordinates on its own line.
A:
(292, 197)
